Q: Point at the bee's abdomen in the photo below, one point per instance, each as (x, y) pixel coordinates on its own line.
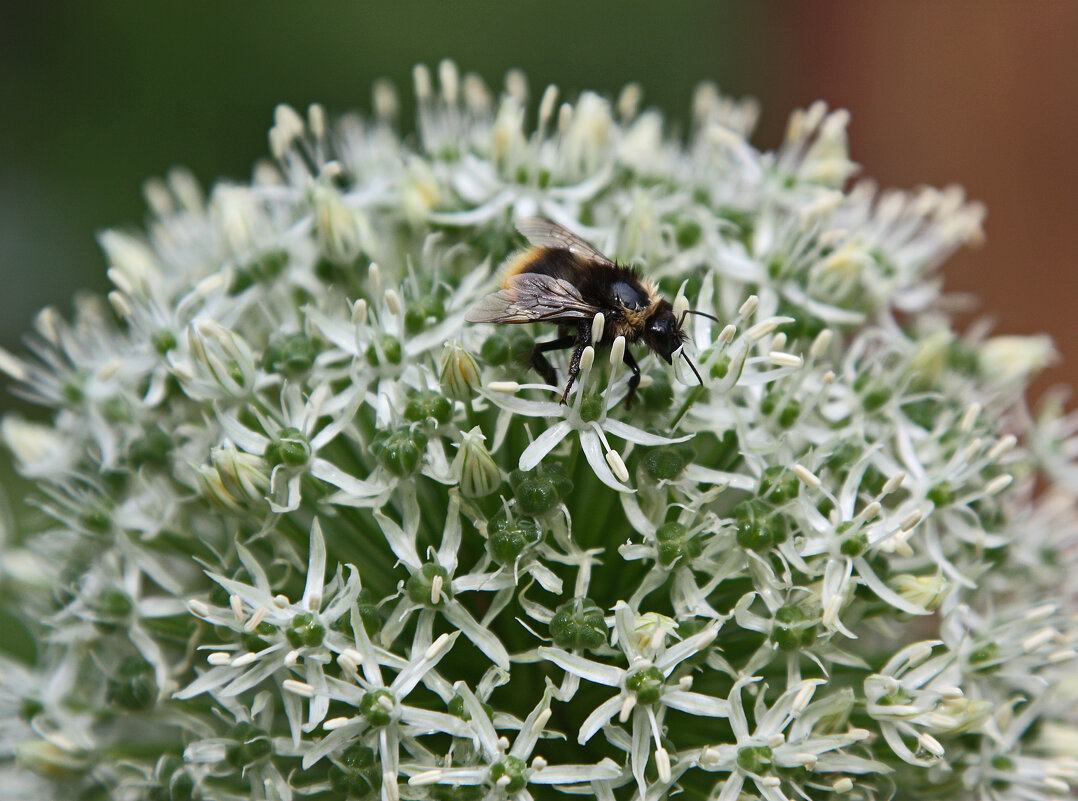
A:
(555, 262)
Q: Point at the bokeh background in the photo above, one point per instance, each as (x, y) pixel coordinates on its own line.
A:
(98, 96)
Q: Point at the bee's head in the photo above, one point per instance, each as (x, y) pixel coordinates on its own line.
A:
(662, 333)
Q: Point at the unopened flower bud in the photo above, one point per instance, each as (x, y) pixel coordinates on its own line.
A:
(459, 375)
(474, 468)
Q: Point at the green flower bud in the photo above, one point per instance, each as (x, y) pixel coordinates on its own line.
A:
(757, 528)
(305, 631)
(778, 485)
(675, 543)
(357, 775)
(401, 451)
(579, 625)
(420, 585)
(290, 355)
(134, 686)
(666, 462)
(418, 313)
(386, 351)
(164, 341)
(507, 539)
(754, 758)
(591, 408)
(513, 768)
(377, 707)
(289, 448)
(495, 350)
(646, 684)
(425, 405)
(792, 630)
(540, 490)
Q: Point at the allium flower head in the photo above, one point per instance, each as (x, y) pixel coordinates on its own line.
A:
(314, 534)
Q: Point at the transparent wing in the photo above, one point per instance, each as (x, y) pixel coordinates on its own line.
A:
(545, 233)
(531, 298)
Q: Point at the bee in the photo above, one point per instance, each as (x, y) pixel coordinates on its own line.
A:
(562, 279)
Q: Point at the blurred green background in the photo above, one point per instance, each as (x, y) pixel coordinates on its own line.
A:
(99, 96)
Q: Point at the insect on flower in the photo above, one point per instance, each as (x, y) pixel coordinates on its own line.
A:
(562, 279)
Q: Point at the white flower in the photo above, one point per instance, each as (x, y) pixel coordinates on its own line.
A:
(588, 415)
(645, 692)
(274, 554)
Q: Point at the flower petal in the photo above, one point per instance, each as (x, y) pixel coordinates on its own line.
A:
(543, 444)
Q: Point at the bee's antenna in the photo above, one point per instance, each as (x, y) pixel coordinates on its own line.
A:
(696, 311)
(696, 372)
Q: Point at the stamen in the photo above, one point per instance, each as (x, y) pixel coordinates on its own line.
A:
(748, 308)
(301, 688)
(587, 359)
(893, 483)
(781, 359)
(256, 618)
(820, 344)
(617, 350)
(970, 418)
(662, 763)
(421, 80)
(598, 324)
(449, 80)
(237, 607)
(617, 465)
(998, 484)
(244, 659)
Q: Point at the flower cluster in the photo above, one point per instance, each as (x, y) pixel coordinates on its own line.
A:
(311, 534)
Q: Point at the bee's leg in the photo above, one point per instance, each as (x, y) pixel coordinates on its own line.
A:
(582, 340)
(539, 361)
(634, 381)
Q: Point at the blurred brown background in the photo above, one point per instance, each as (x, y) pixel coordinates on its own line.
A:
(984, 94)
(97, 97)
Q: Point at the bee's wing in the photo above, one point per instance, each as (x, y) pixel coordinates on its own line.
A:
(545, 233)
(531, 298)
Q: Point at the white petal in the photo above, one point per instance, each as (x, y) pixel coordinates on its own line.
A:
(705, 475)
(332, 474)
(599, 718)
(402, 544)
(638, 435)
(543, 445)
(316, 569)
(696, 703)
(585, 668)
(572, 774)
(593, 451)
(484, 640)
